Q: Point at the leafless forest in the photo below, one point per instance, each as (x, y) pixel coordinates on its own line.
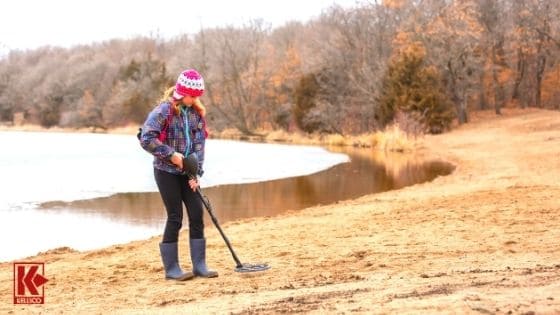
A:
(348, 71)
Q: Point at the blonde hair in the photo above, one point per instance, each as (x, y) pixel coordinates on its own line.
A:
(200, 108)
(168, 96)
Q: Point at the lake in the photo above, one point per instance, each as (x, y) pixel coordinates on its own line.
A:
(88, 191)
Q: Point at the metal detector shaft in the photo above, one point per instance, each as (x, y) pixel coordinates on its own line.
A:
(208, 206)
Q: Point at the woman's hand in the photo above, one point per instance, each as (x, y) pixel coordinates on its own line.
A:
(193, 183)
(177, 159)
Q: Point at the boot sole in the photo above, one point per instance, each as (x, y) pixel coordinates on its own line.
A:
(208, 276)
(184, 278)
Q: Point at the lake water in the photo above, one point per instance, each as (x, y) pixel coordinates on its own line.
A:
(40, 167)
(88, 191)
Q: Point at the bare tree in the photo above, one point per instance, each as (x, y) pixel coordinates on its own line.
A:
(353, 48)
(491, 18)
(542, 27)
(238, 71)
(453, 37)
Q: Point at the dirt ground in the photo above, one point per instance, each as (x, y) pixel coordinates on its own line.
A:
(485, 239)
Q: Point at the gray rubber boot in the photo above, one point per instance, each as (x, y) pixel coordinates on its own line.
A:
(170, 259)
(198, 256)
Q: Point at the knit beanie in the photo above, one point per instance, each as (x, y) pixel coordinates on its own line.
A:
(190, 83)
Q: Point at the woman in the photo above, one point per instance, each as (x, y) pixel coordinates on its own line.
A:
(174, 129)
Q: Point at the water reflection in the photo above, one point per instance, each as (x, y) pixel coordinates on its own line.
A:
(368, 172)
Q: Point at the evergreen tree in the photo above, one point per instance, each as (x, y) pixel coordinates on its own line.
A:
(89, 111)
(305, 101)
(412, 87)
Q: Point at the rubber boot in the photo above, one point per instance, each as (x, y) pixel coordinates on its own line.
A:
(198, 256)
(170, 259)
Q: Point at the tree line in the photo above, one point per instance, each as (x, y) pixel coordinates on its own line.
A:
(348, 71)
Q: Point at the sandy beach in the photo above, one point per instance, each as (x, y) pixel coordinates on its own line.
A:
(482, 240)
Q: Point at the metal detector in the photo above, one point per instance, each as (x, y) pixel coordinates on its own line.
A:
(190, 168)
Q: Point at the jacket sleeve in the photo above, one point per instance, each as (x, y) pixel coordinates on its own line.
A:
(199, 144)
(149, 140)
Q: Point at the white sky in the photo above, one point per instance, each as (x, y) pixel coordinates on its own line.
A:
(28, 24)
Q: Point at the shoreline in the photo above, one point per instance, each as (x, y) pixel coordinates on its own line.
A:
(139, 207)
(126, 152)
(390, 139)
(37, 128)
(483, 239)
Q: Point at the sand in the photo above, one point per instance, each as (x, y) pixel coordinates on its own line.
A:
(482, 240)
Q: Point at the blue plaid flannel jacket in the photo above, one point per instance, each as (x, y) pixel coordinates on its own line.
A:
(176, 140)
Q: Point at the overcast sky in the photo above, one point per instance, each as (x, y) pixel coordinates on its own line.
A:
(28, 24)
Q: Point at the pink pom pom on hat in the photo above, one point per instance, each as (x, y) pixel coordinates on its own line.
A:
(190, 83)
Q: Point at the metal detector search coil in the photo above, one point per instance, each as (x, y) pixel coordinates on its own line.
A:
(252, 268)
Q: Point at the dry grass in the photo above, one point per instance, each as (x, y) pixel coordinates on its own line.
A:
(229, 133)
(130, 129)
(391, 139)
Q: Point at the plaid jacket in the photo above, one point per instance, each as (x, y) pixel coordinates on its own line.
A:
(176, 140)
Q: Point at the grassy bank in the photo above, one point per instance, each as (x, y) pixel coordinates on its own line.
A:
(391, 139)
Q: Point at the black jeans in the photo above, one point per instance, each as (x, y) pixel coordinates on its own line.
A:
(175, 191)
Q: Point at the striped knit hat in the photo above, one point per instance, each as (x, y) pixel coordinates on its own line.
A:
(189, 82)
